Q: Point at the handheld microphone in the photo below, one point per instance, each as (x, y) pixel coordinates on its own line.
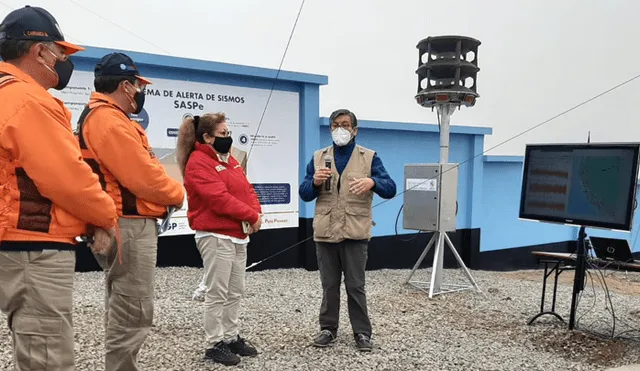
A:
(327, 164)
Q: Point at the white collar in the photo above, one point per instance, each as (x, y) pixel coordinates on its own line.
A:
(223, 157)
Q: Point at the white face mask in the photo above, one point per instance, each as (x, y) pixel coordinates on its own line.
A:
(341, 136)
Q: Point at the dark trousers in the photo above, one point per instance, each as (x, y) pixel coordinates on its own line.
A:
(334, 259)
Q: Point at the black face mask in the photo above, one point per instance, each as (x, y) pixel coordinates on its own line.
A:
(222, 144)
(138, 97)
(64, 71)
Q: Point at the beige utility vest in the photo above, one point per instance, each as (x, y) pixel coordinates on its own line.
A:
(341, 214)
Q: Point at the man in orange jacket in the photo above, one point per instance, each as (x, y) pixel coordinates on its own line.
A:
(118, 150)
(49, 194)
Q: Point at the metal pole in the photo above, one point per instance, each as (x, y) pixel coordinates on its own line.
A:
(444, 111)
(424, 254)
(436, 270)
(578, 278)
(440, 241)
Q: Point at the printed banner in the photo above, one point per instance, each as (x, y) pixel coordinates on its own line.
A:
(272, 162)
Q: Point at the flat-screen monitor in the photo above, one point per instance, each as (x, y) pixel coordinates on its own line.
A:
(591, 185)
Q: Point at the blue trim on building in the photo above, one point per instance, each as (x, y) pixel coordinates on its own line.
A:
(503, 158)
(167, 67)
(309, 137)
(500, 225)
(162, 72)
(477, 176)
(397, 148)
(207, 66)
(488, 186)
(405, 126)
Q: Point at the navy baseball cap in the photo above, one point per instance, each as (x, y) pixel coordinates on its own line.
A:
(37, 24)
(118, 64)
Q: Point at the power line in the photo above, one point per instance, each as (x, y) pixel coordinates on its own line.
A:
(276, 79)
(295, 23)
(472, 158)
(524, 132)
(121, 27)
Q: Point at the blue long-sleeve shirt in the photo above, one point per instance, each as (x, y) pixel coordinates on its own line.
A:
(384, 186)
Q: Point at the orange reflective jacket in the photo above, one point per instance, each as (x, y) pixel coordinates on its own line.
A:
(118, 151)
(48, 194)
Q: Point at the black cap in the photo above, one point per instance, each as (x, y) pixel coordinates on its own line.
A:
(118, 64)
(37, 24)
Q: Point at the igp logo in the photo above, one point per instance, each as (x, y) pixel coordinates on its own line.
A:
(142, 118)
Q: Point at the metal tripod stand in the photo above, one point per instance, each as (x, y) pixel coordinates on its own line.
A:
(440, 237)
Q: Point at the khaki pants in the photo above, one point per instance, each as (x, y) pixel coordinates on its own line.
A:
(224, 265)
(129, 293)
(36, 293)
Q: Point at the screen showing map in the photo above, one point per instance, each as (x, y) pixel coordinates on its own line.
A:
(591, 185)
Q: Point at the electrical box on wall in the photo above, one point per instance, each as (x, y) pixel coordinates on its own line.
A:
(430, 194)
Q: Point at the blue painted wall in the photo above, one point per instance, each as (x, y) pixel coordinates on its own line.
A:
(501, 227)
(488, 186)
(631, 237)
(158, 66)
(401, 143)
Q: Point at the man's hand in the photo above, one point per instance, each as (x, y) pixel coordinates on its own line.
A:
(361, 186)
(103, 240)
(321, 175)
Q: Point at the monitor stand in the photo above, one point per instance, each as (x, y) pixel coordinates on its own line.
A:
(578, 280)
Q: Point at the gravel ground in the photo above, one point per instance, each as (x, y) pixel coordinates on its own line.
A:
(458, 331)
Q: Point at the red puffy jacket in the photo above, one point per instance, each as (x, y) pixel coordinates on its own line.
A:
(219, 194)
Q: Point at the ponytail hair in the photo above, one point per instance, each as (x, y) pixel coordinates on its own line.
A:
(191, 131)
(186, 143)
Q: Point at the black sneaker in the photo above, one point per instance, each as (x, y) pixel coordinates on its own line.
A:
(221, 353)
(324, 339)
(363, 343)
(241, 348)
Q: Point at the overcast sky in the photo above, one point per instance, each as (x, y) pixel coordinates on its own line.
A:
(537, 58)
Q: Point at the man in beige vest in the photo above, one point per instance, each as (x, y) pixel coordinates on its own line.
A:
(342, 224)
(241, 156)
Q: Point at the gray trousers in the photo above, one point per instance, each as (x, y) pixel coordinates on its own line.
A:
(334, 259)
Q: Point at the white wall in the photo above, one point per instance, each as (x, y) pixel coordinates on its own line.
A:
(538, 57)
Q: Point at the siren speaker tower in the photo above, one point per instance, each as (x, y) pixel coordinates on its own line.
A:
(447, 71)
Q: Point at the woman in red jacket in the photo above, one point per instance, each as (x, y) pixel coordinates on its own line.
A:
(223, 211)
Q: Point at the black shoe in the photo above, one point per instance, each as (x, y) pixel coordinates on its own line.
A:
(240, 347)
(363, 343)
(324, 339)
(221, 353)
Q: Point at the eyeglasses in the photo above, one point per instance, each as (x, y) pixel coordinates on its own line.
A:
(224, 134)
(344, 125)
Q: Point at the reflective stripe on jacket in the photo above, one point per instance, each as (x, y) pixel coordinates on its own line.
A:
(118, 151)
(48, 194)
